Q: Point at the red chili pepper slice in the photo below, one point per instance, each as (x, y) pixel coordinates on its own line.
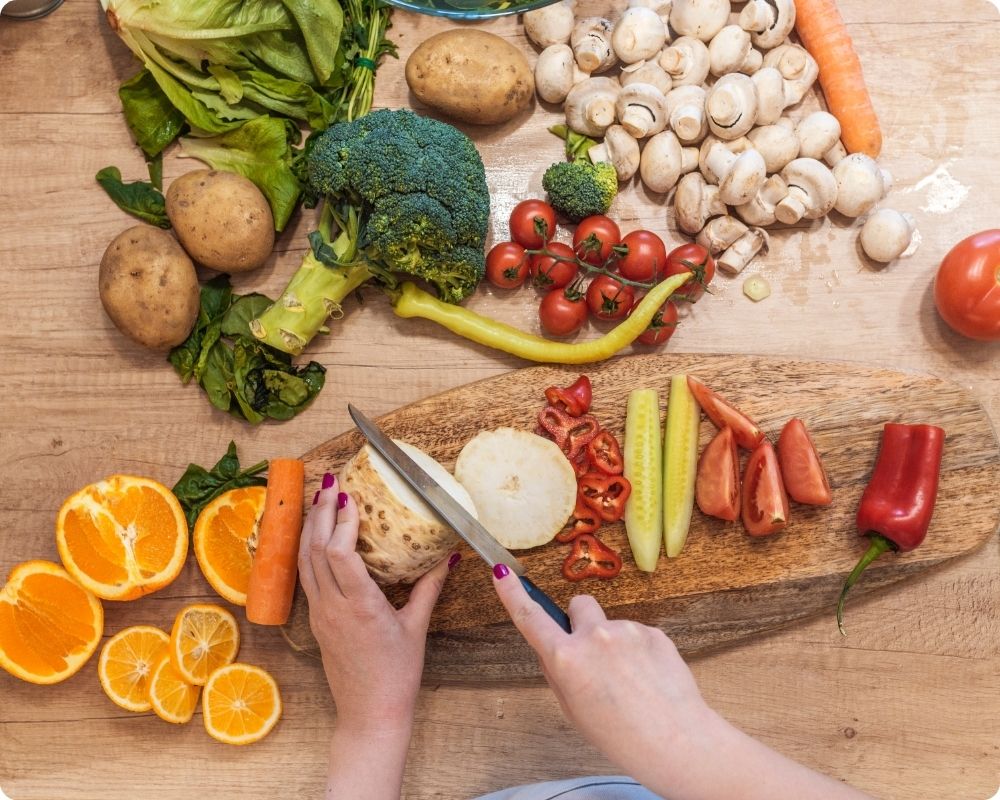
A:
(584, 520)
(572, 434)
(605, 494)
(591, 558)
(605, 454)
(574, 399)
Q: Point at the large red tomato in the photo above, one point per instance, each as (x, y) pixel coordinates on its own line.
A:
(967, 288)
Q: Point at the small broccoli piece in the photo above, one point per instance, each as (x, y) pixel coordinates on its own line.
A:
(578, 189)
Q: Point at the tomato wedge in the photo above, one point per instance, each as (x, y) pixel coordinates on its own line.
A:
(765, 504)
(717, 489)
(802, 471)
(724, 414)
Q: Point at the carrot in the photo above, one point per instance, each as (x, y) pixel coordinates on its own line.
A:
(273, 572)
(824, 35)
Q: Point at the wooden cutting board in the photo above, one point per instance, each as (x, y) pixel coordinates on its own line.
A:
(725, 586)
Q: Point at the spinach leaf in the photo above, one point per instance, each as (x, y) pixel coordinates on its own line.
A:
(139, 198)
(150, 116)
(198, 486)
(216, 298)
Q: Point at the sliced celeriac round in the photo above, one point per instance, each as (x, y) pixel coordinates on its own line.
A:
(522, 485)
(399, 536)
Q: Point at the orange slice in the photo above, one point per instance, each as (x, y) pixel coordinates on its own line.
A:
(225, 540)
(241, 704)
(173, 699)
(122, 537)
(126, 663)
(49, 624)
(204, 638)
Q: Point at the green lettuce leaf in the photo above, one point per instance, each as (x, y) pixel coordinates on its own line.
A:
(138, 198)
(151, 118)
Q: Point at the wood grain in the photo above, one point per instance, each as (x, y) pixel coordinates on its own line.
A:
(908, 707)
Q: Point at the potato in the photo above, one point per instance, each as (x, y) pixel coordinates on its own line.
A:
(221, 219)
(149, 287)
(471, 75)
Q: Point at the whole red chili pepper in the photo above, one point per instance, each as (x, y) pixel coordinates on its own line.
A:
(572, 434)
(605, 454)
(584, 520)
(897, 504)
(605, 494)
(591, 558)
(574, 399)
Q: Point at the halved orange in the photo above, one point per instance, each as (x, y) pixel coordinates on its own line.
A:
(49, 624)
(122, 537)
(204, 638)
(173, 698)
(225, 540)
(126, 664)
(241, 704)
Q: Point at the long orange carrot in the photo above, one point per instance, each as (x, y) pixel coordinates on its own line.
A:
(273, 573)
(824, 35)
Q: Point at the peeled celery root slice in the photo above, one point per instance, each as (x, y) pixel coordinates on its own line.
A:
(644, 470)
(680, 464)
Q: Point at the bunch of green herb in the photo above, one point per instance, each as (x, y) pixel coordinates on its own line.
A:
(198, 486)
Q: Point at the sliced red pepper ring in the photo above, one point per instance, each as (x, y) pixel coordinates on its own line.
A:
(581, 464)
(574, 399)
(584, 520)
(605, 454)
(591, 558)
(605, 494)
(572, 434)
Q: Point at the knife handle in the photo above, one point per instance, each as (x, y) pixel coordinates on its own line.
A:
(547, 603)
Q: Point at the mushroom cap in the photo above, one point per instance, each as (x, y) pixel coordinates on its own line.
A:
(768, 21)
(660, 163)
(618, 149)
(728, 50)
(886, 234)
(641, 109)
(639, 34)
(744, 178)
(686, 113)
(797, 67)
(646, 72)
(686, 61)
(695, 202)
(590, 105)
(554, 73)
(760, 210)
(720, 233)
(731, 106)
(591, 43)
(551, 24)
(818, 133)
(735, 146)
(810, 183)
(699, 18)
(770, 95)
(860, 184)
(776, 143)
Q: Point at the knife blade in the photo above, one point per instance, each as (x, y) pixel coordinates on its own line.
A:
(452, 513)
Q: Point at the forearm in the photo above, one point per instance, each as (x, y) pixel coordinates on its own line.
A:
(367, 761)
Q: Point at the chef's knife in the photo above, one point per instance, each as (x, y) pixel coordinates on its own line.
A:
(453, 514)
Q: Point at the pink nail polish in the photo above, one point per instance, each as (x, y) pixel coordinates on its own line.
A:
(501, 571)
(455, 558)
(316, 498)
(342, 500)
(328, 480)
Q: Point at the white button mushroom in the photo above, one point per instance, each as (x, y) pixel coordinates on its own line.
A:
(639, 34)
(590, 106)
(731, 106)
(686, 61)
(730, 51)
(812, 191)
(663, 161)
(819, 137)
(699, 18)
(686, 113)
(760, 210)
(661, 7)
(720, 233)
(768, 21)
(551, 24)
(776, 143)
(695, 202)
(797, 67)
(641, 109)
(618, 149)
(886, 235)
(742, 251)
(647, 72)
(770, 95)
(591, 43)
(556, 73)
(860, 184)
(740, 175)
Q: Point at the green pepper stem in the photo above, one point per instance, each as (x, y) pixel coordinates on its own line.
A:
(879, 545)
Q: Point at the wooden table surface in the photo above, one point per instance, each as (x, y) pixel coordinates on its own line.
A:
(907, 707)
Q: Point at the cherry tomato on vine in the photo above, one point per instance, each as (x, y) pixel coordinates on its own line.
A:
(507, 265)
(609, 298)
(967, 287)
(595, 239)
(694, 258)
(552, 273)
(646, 258)
(532, 223)
(661, 328)
(562, 312)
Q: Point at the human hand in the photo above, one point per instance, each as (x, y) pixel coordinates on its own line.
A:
(373, 654)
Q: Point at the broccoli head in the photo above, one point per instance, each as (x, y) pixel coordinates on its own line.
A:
(419, 189)
(578, 189)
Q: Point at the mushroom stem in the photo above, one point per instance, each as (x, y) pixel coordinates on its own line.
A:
(742, 251)
(686, 113)
(591, 43)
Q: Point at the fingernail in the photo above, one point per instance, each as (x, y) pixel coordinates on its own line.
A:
(501, 571)
(316, 498)
(342, 500)
(328, 480)
(455, 558)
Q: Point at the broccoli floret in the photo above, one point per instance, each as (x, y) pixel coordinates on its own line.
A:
(579, 189)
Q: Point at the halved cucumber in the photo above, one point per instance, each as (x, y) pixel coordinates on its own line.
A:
(680, 464)
(644, 470)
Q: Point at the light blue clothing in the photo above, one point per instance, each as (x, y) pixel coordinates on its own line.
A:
(594, 788)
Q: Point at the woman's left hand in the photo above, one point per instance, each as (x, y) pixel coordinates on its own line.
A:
(373, 654)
